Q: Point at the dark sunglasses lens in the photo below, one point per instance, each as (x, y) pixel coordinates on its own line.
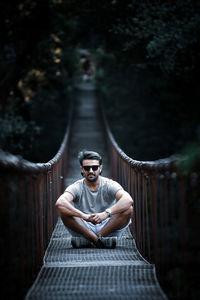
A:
(87, 168)
(94, 168)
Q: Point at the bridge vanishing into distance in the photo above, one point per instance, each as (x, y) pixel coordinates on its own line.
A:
(38, 261)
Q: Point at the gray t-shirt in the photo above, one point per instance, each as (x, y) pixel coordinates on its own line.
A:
(93, 202)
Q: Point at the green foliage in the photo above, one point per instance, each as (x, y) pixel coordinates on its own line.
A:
(166, 33)
(190, 158)
(148, 74)
(17, 135)
(148, 120)
(38, 60)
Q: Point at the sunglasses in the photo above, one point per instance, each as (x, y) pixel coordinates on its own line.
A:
(87, 168)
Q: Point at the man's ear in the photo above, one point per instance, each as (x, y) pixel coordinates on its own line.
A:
(82, 171)
(101, 167)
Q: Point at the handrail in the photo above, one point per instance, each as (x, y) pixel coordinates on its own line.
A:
(15, 163)
(163, 164)
(28, 193)
(164, 199)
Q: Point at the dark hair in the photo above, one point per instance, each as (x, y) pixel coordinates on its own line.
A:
(85, 154)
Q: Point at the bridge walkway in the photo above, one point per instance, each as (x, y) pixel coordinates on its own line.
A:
(99, 274)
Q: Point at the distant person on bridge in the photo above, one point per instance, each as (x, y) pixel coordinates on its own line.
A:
(96, 210)
(87, 68)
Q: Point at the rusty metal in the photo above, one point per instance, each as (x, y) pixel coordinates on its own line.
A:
(28, 193)
(161, 194)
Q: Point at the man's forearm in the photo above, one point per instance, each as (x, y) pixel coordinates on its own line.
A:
(65, 207)
(121, 205)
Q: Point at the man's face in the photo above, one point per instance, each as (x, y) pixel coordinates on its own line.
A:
(91, 169)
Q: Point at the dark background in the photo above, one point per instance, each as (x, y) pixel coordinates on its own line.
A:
(147, 67)
(147, 57)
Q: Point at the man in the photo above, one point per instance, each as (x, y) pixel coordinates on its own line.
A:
(96, 210)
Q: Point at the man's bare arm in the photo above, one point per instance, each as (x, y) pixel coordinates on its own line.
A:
(124, 202)
(65, 207)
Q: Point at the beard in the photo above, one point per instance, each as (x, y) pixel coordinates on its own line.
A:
(92, 178)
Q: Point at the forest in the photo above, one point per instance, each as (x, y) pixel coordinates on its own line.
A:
(147, 62)
(147, 68)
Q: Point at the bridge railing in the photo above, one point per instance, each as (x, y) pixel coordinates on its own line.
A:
(28, 193)
(165, 201)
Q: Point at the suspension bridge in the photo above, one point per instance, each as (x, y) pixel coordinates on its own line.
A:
(38, 258)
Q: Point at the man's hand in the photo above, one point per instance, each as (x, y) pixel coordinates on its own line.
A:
(86, 217)
(98, 218)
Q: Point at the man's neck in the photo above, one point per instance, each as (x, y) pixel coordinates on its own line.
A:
(93, 185)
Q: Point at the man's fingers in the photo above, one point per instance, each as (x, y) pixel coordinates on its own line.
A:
(91, 218)
(94, 218)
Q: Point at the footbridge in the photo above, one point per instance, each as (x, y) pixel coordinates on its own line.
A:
(38, 261)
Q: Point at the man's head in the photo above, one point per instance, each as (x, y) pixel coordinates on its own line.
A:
(90, 164)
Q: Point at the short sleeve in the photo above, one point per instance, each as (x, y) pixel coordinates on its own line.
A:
(113, 187)
(74, 189)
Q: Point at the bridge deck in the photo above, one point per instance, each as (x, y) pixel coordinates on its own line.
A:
(69, 273)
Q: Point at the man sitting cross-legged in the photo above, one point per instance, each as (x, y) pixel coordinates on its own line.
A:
(96, 210)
